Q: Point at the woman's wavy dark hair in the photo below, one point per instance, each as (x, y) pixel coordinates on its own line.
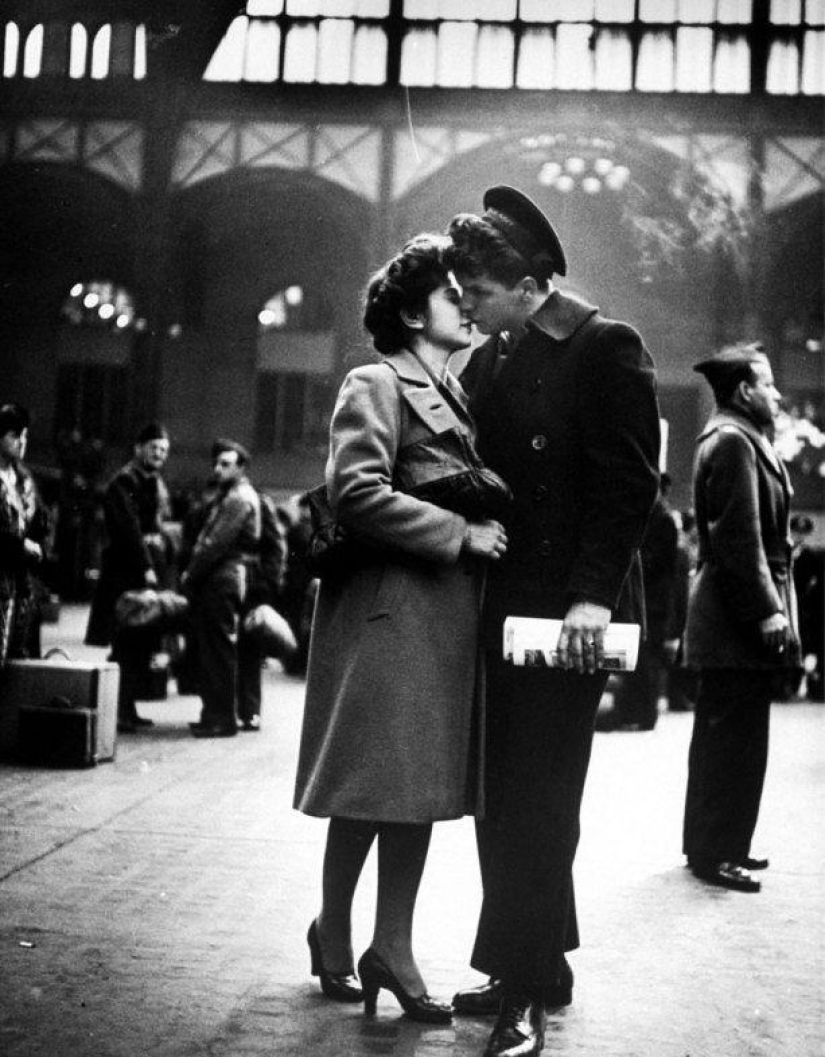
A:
(403, 284)
(477, 248)
(14, 418)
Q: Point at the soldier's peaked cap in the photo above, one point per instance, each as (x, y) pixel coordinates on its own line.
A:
(730, 358)
(526, 228)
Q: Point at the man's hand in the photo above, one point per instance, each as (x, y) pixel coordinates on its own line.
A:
(581, 642)
(32, 550)
(774, 632)
(671, 649)
(150, 578)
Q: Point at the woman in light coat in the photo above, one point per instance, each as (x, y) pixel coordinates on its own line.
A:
(391, 726)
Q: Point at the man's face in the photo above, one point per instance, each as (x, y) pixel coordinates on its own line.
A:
(763, 397)
(226, 469)
(154, 453)
(491, 305)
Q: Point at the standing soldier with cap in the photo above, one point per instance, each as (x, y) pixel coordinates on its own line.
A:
(565, 402)
(135, 504)
(741, 615)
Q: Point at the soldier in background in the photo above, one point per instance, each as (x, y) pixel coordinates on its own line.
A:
(136, 556)
(215, 581)
(740, 634)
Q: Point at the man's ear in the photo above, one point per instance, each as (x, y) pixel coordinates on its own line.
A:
(527, 287)
(413, 320)
(743, 391)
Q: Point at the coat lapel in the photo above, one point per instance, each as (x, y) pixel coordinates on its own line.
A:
(426, 399)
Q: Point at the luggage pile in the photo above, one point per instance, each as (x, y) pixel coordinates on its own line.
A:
(58, 712)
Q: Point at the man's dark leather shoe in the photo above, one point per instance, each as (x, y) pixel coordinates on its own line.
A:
(519, 1030)
(483, 1001)
(725, 875)
(213, 730)
(753, 864)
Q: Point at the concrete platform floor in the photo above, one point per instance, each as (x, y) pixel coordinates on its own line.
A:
(159, 905)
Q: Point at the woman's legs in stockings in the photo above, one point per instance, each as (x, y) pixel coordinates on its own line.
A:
(348, 844)
(402, 852)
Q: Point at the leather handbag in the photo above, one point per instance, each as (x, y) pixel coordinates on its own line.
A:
(443, 470)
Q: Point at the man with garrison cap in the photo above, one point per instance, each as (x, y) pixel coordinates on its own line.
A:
(215, 581)
(135, 505)
(565, 402)
(741, 624)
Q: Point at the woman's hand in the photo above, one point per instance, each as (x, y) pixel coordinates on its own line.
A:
(485, 539)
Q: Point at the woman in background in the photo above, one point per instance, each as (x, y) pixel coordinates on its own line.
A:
(20, 551)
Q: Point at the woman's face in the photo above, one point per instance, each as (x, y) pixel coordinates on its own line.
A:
(12, 446)
(446, 325)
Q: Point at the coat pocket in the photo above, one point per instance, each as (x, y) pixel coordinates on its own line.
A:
(386, 594)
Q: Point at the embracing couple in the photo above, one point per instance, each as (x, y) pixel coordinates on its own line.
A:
(412, 714)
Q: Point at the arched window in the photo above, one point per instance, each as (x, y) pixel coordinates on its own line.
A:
(101, 47)
(227, 63)
(11, 49)
(33, 52)
(78, 51)
(140, 52)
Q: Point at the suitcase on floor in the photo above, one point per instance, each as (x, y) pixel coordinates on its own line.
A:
(85, 684)
(57, 734)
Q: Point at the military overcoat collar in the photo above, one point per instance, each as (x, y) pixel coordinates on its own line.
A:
(729, 419)
(561, 315)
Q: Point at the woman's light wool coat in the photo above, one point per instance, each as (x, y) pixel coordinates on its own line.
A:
(391, 724)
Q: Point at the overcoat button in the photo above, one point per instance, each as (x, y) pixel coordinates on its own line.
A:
(545, 548)
(539, 442)
(540, 493)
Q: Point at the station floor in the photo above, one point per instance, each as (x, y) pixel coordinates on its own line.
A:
(158, 905)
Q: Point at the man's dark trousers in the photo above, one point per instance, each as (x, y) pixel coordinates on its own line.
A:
(726, 763)
(250, 661)
(539, 736)
(216, 609)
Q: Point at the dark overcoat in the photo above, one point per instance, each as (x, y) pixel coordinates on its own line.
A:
(570, 421)
(390, 729)
(135, 505)
(569, 418)
(742, 497)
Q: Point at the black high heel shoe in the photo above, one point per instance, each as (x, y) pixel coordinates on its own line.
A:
(375, 974)
(340, 987)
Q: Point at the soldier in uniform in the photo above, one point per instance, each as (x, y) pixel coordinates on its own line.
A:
(566, 409)
(135, 504)
(216, 582)
(741, 625)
